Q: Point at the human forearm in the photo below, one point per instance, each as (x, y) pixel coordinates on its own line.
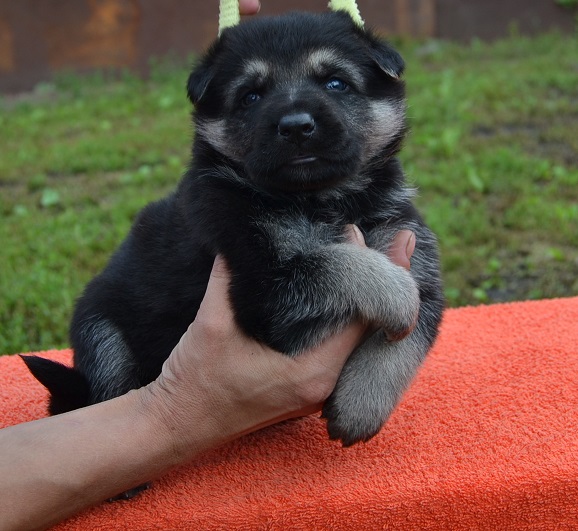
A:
(217, 385)
(54, 467)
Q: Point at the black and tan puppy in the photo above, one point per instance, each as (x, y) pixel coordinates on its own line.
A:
(298, 120)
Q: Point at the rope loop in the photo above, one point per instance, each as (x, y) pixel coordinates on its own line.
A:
(229, 12)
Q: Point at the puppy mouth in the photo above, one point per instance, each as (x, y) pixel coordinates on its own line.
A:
(301, 170)
(300, 187)
(302, 159)
(305, 173)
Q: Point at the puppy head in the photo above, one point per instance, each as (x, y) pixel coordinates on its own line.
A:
(302, 102)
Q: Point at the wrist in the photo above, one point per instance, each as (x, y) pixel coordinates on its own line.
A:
(181, 431)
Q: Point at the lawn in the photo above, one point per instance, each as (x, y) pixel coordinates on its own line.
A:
(493, 151)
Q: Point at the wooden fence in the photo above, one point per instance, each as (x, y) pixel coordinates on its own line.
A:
(41, 37)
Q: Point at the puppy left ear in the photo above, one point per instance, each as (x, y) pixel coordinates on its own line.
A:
(387, 59)
(199, 81)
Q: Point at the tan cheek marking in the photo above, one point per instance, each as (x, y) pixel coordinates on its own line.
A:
(215, 133)
(387, 121)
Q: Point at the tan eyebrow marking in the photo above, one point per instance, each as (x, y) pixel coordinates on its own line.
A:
(325, 59)
(254, 71)
(256, 68)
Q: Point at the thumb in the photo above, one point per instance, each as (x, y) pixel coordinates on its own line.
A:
(334, 351)
(216, 299)
(220, 269)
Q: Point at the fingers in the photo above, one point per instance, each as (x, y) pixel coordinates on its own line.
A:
(249, 7)
(400, 251)
(402, 248)
(334, 351)
(354, 235)
(220, 272)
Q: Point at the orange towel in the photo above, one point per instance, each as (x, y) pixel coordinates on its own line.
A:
(486, 438)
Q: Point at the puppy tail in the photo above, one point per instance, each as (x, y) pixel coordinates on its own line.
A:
(69, 389)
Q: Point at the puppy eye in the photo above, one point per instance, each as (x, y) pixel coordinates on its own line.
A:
(250, 99)
(336, 84)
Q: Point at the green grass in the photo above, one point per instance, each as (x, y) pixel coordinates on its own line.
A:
(493, 151)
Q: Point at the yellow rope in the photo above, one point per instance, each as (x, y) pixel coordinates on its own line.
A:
(347, 5)
(229, 12)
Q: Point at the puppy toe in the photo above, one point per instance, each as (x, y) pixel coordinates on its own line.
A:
(400, 317)
(403, 329)
(349, 423)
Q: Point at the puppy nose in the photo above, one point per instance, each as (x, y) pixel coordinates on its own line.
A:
(296, 127)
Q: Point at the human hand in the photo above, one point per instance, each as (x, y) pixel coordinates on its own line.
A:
(219, 384)
(249, 7)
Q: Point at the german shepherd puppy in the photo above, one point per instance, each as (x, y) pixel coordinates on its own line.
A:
(298, 120)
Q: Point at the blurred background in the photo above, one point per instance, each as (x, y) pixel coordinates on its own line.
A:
(41, 37)
(94, 123)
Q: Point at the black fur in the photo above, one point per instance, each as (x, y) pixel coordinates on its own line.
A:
(73, 395)
(298, 120)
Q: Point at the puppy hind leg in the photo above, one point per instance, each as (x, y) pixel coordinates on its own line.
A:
(109, 365)
(104, 357)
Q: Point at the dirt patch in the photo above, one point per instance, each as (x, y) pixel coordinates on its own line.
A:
(531, 272)
(536, 138)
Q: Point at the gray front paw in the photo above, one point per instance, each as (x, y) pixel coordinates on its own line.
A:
(388, 297)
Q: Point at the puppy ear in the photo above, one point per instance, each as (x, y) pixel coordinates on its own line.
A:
(199, 81)
(387, 59)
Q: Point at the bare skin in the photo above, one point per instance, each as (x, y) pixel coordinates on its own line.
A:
(216, 386)
(249, 7)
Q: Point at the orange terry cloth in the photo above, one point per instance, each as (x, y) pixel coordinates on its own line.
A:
(485, 438)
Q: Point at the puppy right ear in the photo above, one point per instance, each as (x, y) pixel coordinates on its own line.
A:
(387, 59)
(199, 81)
